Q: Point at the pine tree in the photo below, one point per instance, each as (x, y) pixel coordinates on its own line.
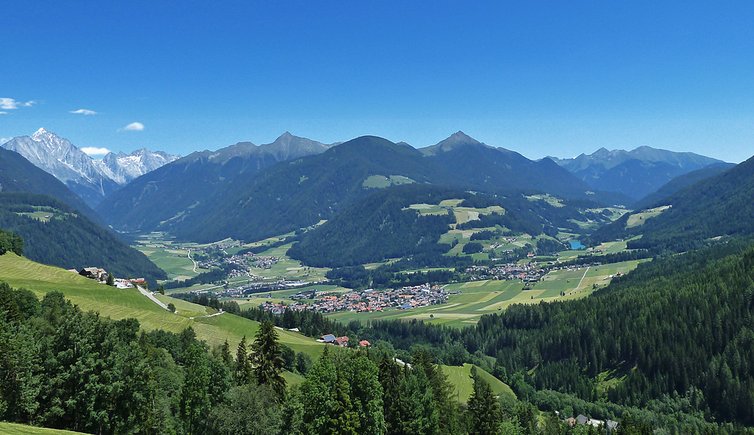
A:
(484, 411)
(225, 356)
(267, 359)
(243, 368)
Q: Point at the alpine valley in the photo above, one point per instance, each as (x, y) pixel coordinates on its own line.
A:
(378, 286)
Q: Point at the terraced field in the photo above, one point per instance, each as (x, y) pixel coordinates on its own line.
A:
(471, 300)
(129, 303)
(460, 377)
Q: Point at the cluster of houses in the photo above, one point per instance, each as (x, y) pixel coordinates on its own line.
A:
(404, 298)
(609, 425)
(340, 341)
(508, 271)
(100, 275)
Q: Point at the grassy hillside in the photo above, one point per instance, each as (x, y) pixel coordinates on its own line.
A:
(21, 429)
(460, 377)
(117, 304)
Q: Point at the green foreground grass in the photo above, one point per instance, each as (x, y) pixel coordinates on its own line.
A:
(460, 378)
(118, 304)
(21, 429)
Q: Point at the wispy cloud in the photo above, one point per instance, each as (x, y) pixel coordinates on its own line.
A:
(3, 113)
(11, 103)
(134, 126)
(85, 112)
(95, 151)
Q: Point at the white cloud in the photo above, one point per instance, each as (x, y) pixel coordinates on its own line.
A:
(11, 103)
(134, 126)
(3, 113)
(85, 112)
(95, 151)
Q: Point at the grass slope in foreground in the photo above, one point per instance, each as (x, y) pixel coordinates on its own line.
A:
(22, 429)
(117, 304)
(460, 378)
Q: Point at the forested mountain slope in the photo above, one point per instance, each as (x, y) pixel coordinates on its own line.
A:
(301, 192)
(494, 169)
(178, 188)
(718, 206)
(19, 175)
(390, 224)
(681, 182)
(56, 234)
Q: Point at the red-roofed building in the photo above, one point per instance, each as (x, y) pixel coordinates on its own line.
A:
(341, 341)
(364, 343)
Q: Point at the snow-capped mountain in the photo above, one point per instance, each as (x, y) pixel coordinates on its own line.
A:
(91, 179)
(122, 168)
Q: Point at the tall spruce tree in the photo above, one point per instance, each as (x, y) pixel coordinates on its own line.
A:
(243, 368)
(483, 409)
(267, 360)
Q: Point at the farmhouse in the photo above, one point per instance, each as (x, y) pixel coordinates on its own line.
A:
(94, 273)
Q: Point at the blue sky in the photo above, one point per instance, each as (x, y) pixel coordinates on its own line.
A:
(542, 78)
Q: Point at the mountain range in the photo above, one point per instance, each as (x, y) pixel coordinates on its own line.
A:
(89, 178)
(635, 173)
(248, 192)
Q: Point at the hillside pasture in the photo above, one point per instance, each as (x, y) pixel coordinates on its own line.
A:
(120, 304)
(463, 386)
(639, 218)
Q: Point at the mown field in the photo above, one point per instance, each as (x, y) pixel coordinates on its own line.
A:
(638, 219)
(129, 303)
(471, 300)
(22, 429)
(460, 377)
(172, 257)
(169, 256)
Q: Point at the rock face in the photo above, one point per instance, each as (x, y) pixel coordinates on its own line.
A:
(123, 168)
(91, 179)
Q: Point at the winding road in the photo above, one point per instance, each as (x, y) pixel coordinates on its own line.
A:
(188, 254)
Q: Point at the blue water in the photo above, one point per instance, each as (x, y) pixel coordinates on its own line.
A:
(576, 244)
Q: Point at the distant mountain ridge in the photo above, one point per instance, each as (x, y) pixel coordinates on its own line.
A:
(91, 179)
(244, 192)
(169, 192)
(635, 173)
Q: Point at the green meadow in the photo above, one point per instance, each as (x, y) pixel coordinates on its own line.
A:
(460, 378)
(22, 429)
(129, 303)
(471, 300)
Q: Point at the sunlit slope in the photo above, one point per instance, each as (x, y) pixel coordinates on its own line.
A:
(118, 304)
(460, 378)
(22, 429)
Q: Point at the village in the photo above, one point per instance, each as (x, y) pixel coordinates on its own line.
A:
(369, 300)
